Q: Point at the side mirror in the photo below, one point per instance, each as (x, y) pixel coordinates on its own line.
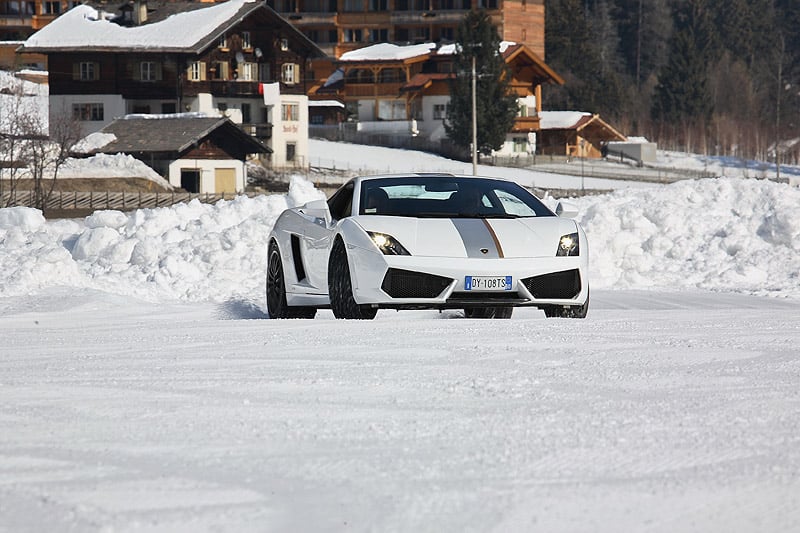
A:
(566, 209)
(318, 210)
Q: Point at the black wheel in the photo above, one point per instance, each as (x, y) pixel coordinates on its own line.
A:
(340, 287)
(488, 312)
(276, 289)
(567, 311)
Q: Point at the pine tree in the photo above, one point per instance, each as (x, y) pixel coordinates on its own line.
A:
(496, 106)
(682, 93)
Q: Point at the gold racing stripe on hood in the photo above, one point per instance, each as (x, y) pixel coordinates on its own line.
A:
(494, 238)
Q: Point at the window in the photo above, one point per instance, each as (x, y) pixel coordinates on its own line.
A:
(248, 71)
(168, 107)
(439, 111)
(87, 111)
(88, 71)
(223, 41)
(291, 151)
(197, 71)
(263, 72)
(353, 5)
(290, 112)
(149, 71)
(351, 35)
(379, 35)
(247, 115)
(392, 110)
(290, 73)
(392, 75)
(378, 5)
(51, 8)
(284, 45)
(246, 40)
(521, 144)
(140, 109)
(219, 70)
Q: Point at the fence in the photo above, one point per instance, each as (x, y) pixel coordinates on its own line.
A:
(121, 201)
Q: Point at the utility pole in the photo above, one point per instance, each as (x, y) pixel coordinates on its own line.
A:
(474, 120)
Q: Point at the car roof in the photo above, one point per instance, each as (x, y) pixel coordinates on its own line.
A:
(434, 175)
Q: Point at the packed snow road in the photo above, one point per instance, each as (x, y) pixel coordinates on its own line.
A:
(660, 412)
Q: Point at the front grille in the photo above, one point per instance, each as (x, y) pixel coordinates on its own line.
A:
(557, 285)
(407, 284)
(478, 296)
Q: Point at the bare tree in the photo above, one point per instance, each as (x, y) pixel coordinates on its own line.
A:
(32, 146)
(46, 155)
(15, 128)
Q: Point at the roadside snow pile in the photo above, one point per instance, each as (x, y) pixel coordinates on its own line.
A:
(188, 251)
(724, 234)
(728, 234)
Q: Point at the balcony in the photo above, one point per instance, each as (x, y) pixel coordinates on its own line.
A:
(261, 130)
(308, 18)
(234, 88)
(525, 124)
(428, 17)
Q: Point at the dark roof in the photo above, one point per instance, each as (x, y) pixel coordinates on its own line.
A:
(422, 81)
(136, 134)
(527, 58)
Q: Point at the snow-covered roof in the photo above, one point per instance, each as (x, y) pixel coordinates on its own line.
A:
(84, 27)
(325, 103)
(560, 120)
(450, 49)
(387, 52)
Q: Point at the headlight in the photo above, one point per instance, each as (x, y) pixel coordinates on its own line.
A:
(387, 244)
(568, 245)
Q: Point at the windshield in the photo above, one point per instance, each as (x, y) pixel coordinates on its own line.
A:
(448, 197)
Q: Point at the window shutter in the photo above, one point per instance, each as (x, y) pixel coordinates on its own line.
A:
(203, 71)
(159, 73)
(189, 72)
(137, 71)
(96, 71)
(76, 71)
(224, 72)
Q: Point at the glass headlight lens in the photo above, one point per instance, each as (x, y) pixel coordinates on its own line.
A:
(568, 245)
(387, 244)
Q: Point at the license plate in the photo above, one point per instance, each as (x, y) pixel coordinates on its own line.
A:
(487, 283)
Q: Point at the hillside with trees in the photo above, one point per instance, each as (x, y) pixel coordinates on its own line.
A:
(711, 77)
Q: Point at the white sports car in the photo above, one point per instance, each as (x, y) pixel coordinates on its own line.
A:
(434, 241)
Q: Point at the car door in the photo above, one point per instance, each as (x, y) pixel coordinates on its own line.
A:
(317, 238)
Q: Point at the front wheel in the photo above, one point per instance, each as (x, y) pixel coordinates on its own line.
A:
(340, 287)
(567, 311)
(276, 289)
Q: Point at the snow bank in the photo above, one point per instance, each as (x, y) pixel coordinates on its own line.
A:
(188, 251)
(727, 234)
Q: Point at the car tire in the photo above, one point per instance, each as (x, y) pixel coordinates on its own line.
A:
(488, 312)
(340, 287)
(567, 311)
(276, 289)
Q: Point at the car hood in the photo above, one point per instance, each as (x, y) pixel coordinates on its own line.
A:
(473, 237)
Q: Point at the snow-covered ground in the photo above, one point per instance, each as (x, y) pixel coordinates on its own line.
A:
(143, 389)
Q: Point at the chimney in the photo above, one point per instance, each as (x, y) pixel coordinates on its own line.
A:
(139, 12)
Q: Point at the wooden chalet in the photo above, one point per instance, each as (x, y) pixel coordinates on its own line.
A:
(164, 57)
(198, 154)
(402, 89)
(575, 134)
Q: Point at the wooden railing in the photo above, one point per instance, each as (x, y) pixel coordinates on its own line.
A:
(120, 201)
